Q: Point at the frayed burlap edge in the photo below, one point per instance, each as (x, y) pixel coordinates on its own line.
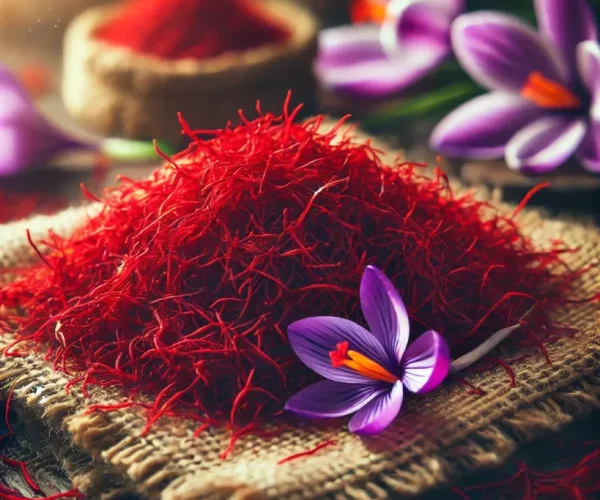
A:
(438, 437)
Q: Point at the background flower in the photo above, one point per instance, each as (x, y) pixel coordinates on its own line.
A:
(371, 60)
(26, 137)
(538, 112)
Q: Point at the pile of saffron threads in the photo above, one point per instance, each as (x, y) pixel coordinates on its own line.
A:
(183, 286)
(198, 29)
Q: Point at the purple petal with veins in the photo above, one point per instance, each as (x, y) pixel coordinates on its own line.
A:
(328, 399)
(500, 52)
(426, 363)
(481, 127)
(384, 311)
(379, 413)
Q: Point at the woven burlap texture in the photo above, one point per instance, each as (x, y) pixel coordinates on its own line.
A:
(437, 437)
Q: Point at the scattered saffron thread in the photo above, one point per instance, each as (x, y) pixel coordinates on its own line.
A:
(530, 194)
(11, 494)
(308, 453)
(575, 482)
(21, 465)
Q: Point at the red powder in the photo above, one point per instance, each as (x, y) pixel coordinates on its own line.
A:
(183, 286)
(199, 29)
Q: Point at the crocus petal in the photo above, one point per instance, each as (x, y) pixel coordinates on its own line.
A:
(26, 137)
(380, 77)
(15, 103)
(29, 144)
(16, 150)
(500, 52)
(426, 363)
(566, 23)
(384, 311)
(327, 399)
(376, 415)
(545, 144)
(481, 127)
(314, 338)
(346, 45)
(588, 153)
(417, 26)
(588, 65)
(451, 8)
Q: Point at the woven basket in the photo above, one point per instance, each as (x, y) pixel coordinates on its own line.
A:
(114, 91)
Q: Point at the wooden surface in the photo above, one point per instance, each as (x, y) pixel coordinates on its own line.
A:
(571, 189)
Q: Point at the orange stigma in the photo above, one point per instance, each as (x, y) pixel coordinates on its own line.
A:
(359, 363)
(547, 93)
(367, 11)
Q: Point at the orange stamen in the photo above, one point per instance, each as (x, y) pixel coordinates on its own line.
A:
(547, 93)
(367, 11)
(360, 364)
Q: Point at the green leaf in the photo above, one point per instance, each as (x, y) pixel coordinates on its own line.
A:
(443, 98)
(134, 151)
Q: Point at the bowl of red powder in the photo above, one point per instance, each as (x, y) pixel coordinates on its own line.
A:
(129, 69)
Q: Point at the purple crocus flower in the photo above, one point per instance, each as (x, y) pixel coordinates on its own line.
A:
(372, 61)
(26, 137)
(543, 106)
(367, 371)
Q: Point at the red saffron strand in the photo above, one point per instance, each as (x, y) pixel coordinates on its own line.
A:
(10, 494)
(7, 408)
(23, 466)
(183, 285)
(198, 29)
(308, 453)
(530, 194)
(581, 480)
(37, 250)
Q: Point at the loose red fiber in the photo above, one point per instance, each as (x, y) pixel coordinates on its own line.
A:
(23, 466)
(308, 453)
(183, 286)
(577, 482)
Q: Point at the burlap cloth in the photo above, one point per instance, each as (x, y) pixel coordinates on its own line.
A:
(437, 437)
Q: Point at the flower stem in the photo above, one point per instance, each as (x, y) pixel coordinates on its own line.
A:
(482, 349)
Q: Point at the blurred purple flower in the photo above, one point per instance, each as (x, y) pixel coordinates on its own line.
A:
(367, 371)
(544, 102)
(26, 137)
(373, 61)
